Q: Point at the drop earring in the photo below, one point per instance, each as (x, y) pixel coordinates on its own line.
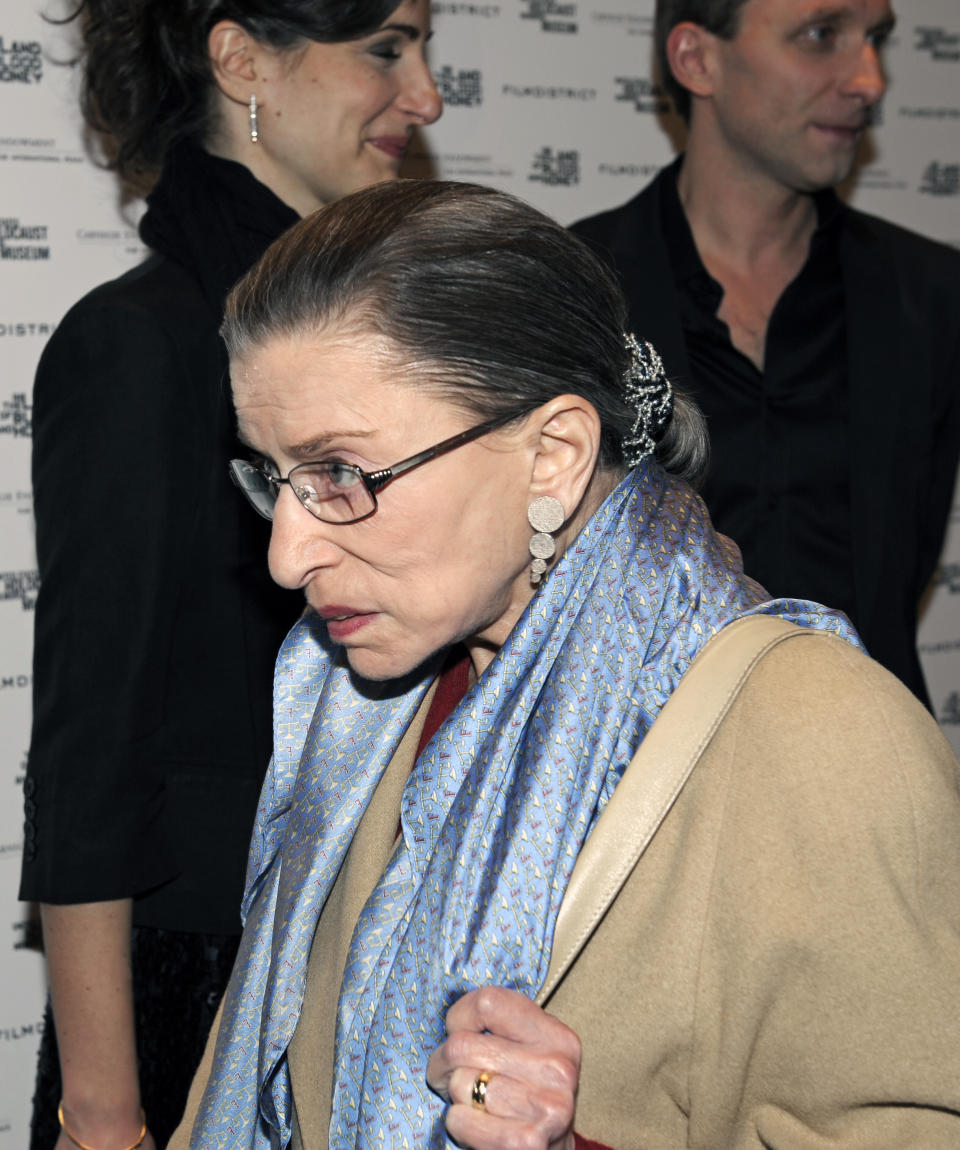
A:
(545, 515)
(254, 120)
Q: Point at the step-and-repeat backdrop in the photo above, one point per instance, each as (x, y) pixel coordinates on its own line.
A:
(550, 99)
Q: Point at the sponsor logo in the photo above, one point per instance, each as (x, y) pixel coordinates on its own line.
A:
(948, 575)
(460, 89)
(950, 711)
(21, 500)
(27, 141)
(20, 329)
(22, 241)
(556, 168)
(27, 936)
(937, 42)
(548, 92)
(16, 416)
(458, 165)
(22, 585)
(939, 648)
(21, 774)
(941, 180)
(880, 180)
(487, 11)
(631, 170)
(37, 150)
(21, 61)
(26, 1030)
(107, 235)
(643, 94)
(630, 22)
(554, 15)
(926, 113)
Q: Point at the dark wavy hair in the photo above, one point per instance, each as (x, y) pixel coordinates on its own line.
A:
(146, 73)
(491, 305)
(721, 17)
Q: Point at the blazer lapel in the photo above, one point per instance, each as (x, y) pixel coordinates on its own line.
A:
(632, 236)
(647, 276)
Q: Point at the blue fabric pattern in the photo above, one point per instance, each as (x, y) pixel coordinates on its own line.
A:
(493, 816)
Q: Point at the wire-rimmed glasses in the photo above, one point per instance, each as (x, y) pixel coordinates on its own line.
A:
(334, 491)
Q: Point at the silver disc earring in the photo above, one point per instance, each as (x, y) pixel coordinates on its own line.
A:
(545, 515)
(254, 120)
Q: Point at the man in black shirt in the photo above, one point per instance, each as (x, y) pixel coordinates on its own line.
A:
(822, 344)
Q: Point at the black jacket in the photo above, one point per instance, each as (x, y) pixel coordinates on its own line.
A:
(902, 295)
(157, 624)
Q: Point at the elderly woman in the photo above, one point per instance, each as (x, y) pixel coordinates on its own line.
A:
(495, 625)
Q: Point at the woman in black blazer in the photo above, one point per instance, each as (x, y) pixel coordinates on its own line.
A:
(157, 624)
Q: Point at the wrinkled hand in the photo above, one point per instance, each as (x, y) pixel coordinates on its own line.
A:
(533, 1061)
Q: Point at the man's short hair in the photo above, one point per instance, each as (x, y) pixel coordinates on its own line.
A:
(721, 17)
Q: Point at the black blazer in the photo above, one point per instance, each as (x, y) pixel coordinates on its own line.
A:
(157, 624)
(903, 360)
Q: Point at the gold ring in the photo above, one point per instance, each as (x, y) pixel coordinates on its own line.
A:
(478, 1095)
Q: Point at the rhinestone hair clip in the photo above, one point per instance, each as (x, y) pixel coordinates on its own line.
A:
(648, 391)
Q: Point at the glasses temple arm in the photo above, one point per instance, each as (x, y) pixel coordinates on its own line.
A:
(374, 480)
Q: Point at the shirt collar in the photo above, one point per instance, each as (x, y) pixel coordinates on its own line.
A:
(688, 267)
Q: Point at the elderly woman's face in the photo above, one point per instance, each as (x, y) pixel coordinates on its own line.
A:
(444, 558)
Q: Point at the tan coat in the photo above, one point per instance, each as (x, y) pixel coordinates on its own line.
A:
(782, 968)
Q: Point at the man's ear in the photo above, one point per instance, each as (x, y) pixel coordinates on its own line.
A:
(566, 450)
(690, 56)
(234, 56)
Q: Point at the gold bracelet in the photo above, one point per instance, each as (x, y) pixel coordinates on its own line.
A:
(83, 1146)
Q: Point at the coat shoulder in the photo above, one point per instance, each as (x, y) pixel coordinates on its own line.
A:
(823, 687)
(927, 260)
(836, 748)
(620, 228)
(158, 292)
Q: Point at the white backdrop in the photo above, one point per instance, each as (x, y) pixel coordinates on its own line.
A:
(551, 99)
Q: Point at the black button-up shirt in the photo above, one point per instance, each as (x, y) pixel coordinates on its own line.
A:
(779, 474)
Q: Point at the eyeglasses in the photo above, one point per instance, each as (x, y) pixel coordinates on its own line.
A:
(337, 492)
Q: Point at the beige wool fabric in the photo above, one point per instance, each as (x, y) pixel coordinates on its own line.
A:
(782, 969)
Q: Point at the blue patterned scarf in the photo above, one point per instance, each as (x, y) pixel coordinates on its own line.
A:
(493, 815)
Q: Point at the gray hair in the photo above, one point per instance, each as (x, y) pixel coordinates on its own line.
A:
(491, 304)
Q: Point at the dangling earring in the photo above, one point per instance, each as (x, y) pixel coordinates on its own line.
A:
(254, 120)
(545, 515)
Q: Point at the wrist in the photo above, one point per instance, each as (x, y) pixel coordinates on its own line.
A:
(99, 1127)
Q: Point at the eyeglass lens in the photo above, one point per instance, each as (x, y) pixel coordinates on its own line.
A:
(255, 486)
(333, 492)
